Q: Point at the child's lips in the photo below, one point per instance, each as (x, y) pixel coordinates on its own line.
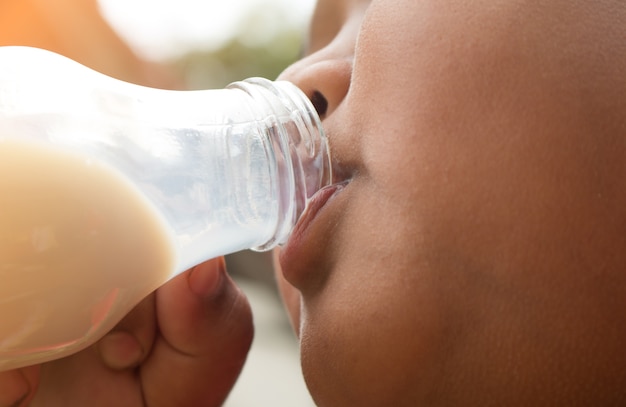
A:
(301, 248)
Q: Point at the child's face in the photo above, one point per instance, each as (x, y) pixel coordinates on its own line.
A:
(478, 254)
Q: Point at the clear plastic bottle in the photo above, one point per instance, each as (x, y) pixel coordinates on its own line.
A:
(108, 189)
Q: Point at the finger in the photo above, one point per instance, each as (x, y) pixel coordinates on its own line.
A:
(130, 342)
(205, 326)
(82, 379)
(17, 387)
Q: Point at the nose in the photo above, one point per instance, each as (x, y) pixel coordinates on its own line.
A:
(323, 77)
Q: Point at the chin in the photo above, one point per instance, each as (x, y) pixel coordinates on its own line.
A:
(289, 294)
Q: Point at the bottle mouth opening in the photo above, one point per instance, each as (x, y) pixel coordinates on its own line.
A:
(305, 165)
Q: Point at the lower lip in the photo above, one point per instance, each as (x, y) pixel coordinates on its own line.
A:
(293, 253)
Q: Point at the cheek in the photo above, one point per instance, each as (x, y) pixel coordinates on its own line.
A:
(467, 254)
(375, 334)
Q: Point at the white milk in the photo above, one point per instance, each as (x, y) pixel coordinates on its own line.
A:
(79, 246)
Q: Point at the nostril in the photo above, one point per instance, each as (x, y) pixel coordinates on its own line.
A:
(319, 103)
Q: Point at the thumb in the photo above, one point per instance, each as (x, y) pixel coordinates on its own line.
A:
(205, 332)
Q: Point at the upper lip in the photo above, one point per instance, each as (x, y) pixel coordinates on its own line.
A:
(303, 248)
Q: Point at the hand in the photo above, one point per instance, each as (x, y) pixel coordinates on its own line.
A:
(185, 345)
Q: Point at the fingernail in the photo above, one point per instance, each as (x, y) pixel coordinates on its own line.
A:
(206, 278)
(120, 350)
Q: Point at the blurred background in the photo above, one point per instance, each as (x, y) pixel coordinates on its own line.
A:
(189, 44)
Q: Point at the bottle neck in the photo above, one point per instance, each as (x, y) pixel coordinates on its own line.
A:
(297, 139)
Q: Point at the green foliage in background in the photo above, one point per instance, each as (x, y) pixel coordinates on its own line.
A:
(248, 54)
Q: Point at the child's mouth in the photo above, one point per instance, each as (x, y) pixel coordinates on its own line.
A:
(295, 251)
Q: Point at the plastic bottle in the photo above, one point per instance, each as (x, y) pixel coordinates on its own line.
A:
(109, 189)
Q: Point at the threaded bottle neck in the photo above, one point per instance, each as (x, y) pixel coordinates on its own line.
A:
(297, 139)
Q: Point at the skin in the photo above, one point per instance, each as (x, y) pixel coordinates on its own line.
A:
(477, 255)
(184, 345)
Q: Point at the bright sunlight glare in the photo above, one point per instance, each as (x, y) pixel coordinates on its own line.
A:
(161, 29)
